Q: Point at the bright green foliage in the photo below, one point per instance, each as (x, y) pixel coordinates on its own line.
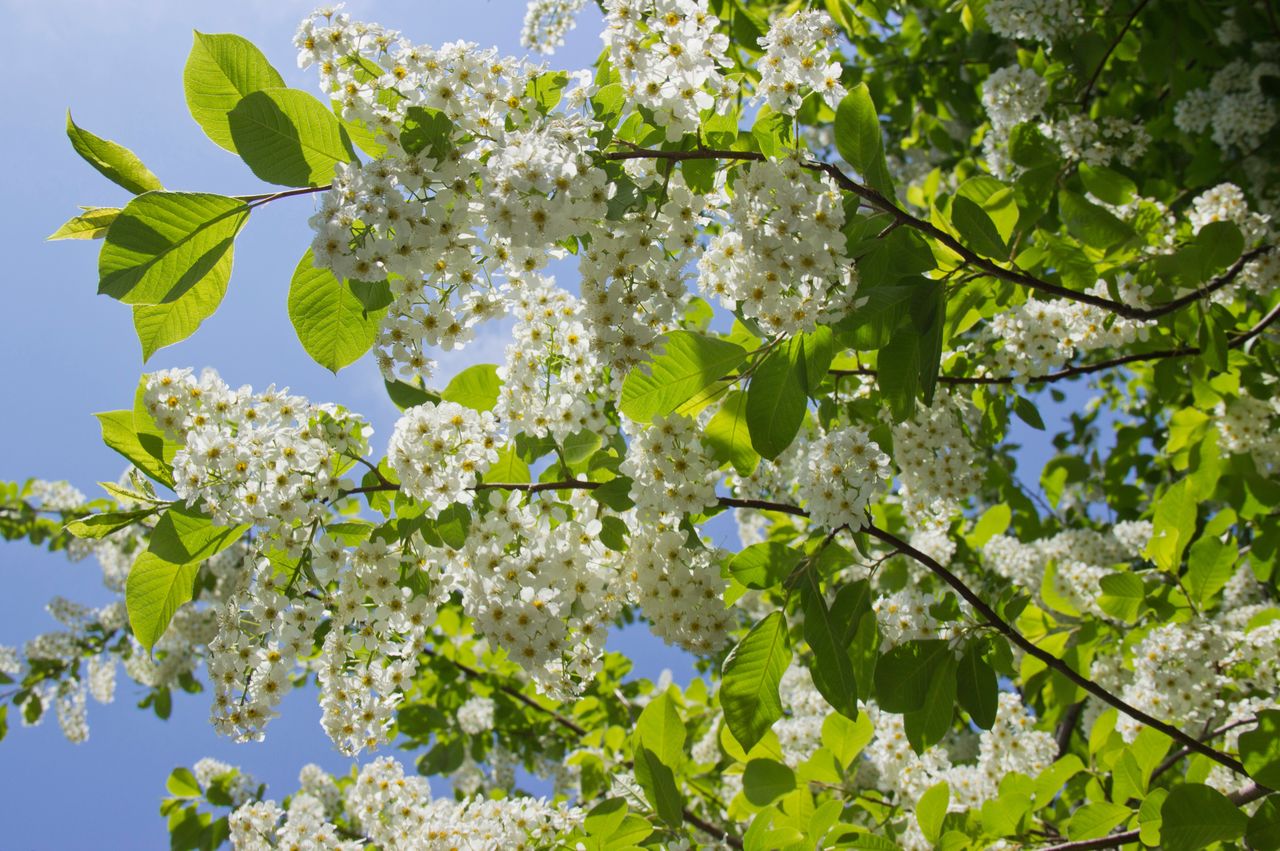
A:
(116, 162)
(749, 689)
(688, 363)
(221, 69)
(288, 137)
(332, 323)
(476, 387)
(1194, 816)
(163, 244)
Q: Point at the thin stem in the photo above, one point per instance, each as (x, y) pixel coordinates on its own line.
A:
(268, 197)
(878, 201)
(1030, 647)
(578, 730)
(1111, 48)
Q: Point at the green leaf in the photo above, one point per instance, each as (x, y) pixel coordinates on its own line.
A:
(827, 637)
(1262, 833)
(977, 688)
(688, 364)
(749, 686)
(288, 137)
(1029, 148)
(101, 525)
(1096, 820)
(844, 738)
(1210, 565)
(904, 673)
(452, 525)
(404, 395)
(182, 784)
(764, 565)
(330, 321)
(221, 69)
(165, 243)
(994, 521)
(859, 139)
(660, 729)
(776, 400)
(931, 809)
(728, 437)
(605, 817)
(160, 325)
(509, 467)
(1027, 412)
(976, 228)
(91, 224)
(118, 433)
(1107, 184)
(929, 724)
(476, 387)
(153, 592)
(426, 131)
(1122, 596)
(1260, 749)
(766, 780)
(1173, 526)
(898, 372)
(116, 162)
(1091, 224)
(185, 534)
(659, 785)
(1195, 816)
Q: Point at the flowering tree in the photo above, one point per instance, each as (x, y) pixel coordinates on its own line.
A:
(824, 256)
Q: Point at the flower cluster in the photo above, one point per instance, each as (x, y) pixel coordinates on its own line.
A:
(1246, 428)
(552, 382)
(266, 459)
(669, 57)
(1038, 337)
(439, 452)
(780, 257)
(797, 58)
(673, 472)
(1234, 104)
(904, 616)
(540, 584)
(635, 274)
(679, 588)
(476, 716)
(845, 470)
(546, 22)
(938, 463)
(1038, 20)
(395, 811)
(1013, 95)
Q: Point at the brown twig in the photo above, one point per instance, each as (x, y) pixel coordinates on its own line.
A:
(1111, 48)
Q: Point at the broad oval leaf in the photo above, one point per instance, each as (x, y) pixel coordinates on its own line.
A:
(752, 671)
(288, 137)
(476, 387)
(1195, 816)
(688, 363)
(221, 69)
(859, 138)
(153, 592)
(776, 400)
(91, 224)
(160, 325)
(329, 319)
(164, 243)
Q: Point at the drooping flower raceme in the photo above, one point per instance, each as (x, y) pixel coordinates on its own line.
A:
(845, 471)
(798, 59)
(440, 451)
(267, 459)
(780, 256)
(670, 57)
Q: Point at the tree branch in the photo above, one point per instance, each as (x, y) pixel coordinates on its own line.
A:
(1097, 72)
(1053, 662)
(878, 201)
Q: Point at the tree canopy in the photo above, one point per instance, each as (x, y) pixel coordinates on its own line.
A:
(811, 269)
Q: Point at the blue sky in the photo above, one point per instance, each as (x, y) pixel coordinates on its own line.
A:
(68, 352)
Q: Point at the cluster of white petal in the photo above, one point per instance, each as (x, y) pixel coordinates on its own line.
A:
(265, 459)
(669, 57)
(780, 257)
(672, 469)
(1038, 20)
(679, 588)
(439, 452)
(1246, 427)
(1013, 95)
(553, 382)
(845, 470)
(546, 22)
(938, 464)
(394, 811)
(540, 584)
(797, 59)
(1234, 104)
